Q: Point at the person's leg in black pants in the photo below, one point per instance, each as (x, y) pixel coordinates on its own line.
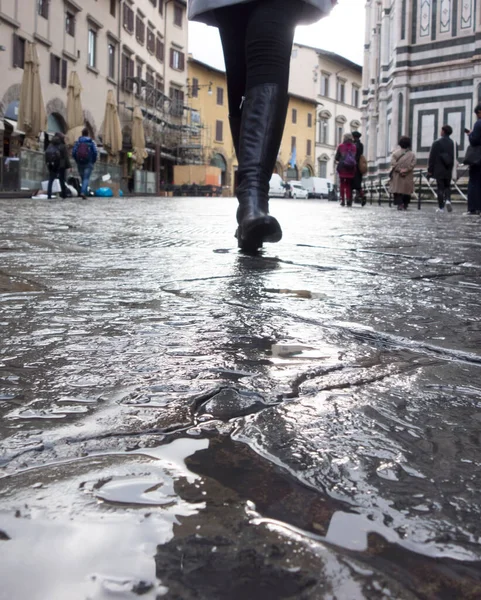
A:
(52, 176)
(61, 178)
(441, 192)
(474, 190)
(257, 41)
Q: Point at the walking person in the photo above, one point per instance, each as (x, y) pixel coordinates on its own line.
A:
(257, 38)
(361, 168)
(57, 161)
(474, 185)
(346, 167)
(441, 163)
(403, 161)
(85, 154)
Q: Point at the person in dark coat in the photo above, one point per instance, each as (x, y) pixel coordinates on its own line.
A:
(474, 185)
(257, 39)
(440, 167)
(357, 180)
(57, 159)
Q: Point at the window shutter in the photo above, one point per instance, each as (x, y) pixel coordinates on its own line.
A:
(131, 20)
(181, 61)
(219, 131)
(64, 73)
(126, 16)
(52, 68)
(171, 61)
(16, 51)
(161, 7)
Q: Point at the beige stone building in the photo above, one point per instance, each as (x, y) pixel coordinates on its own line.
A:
(135, 47)
(335, 83)
(207, 98)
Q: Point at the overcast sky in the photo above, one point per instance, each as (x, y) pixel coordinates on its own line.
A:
(341, 32)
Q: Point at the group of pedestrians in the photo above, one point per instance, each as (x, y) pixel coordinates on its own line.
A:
(57, 158)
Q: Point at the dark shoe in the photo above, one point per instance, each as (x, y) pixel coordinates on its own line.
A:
(262, 124)
(343, 203)
(349, 203)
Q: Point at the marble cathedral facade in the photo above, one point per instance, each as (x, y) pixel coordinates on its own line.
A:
(422, 69)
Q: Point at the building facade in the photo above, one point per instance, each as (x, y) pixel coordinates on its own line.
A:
(334, 83)
(207, 99)
(296, 158)
(135, 47)
(422, 69)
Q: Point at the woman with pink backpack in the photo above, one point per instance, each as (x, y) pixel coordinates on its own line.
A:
(346, 167)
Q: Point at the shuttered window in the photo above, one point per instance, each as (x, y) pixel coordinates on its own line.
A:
(177, 60)
(309, 147)
(42, 8)
(58, 71)
(309, 119)
(178, 14)
(70, 24)
(195, 87)
(294, 115)
(18, 51)
(127, 72)
(219, 131)
(220, 96)
(140, 30)
(161, 7)
(150, 41)
(113, 7)
(128, 18)
(177, 105)
(159, 50)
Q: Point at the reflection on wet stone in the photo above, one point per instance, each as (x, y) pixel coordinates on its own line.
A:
(193, 423)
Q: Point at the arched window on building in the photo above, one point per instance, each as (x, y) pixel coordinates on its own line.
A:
(218, 160)
(323, 162)
(292, 173)
(355, 125)
(324, 117)
(340, 125)
(306, 172)
(56, 124)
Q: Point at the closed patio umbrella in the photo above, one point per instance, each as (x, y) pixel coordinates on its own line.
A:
(138, 138)
(112, 131)
(32, 118)
(75, 115)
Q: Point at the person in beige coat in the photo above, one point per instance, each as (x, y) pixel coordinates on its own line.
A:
(403, 161)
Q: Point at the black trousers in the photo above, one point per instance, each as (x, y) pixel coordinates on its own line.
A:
(60, 175)
(257, 42)
(444, 191)
(474, 189)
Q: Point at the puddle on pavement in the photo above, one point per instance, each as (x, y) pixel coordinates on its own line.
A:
(90, 528)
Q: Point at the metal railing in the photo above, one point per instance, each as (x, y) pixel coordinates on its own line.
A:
(376, 188)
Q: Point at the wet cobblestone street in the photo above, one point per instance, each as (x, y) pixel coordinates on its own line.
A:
(181, 421)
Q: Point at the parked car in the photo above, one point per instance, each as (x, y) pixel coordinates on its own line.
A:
(296, 190)
(277, 188)
(317, 187)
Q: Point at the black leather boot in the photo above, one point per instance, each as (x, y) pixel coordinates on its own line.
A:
(262, 125)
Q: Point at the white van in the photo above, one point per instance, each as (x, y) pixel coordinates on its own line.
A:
(317, 187)
(277, 187)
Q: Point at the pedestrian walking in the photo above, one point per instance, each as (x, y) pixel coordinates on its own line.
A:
(346, 167)
(474, 185)
(257, 38)
(361, 168)
(85, 154)
(441, 163)
(403, 161)
(57, 161)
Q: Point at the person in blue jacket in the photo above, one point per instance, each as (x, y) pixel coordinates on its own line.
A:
(85, 154)
(257, 37)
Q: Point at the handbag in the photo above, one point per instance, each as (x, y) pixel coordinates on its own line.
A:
(362, 164)
(472, 158)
